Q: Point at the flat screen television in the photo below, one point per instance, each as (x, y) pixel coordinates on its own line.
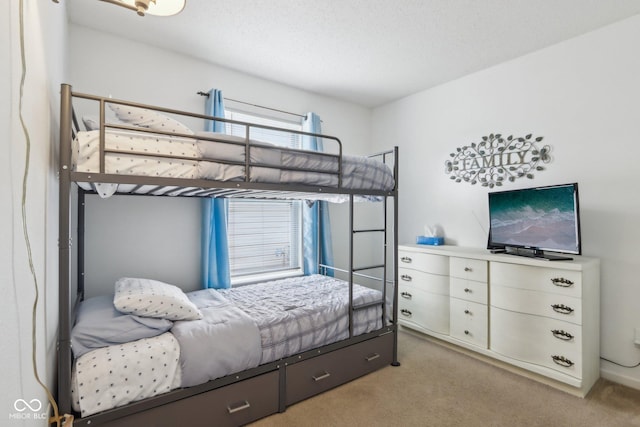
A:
(531, 221)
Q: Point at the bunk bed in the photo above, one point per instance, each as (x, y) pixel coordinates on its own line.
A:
(343, 329)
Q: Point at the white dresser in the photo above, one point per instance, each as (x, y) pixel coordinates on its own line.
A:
(537, 315)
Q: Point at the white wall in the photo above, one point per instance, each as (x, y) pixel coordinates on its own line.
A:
(103, 64)
(582, 96)
(28, 242)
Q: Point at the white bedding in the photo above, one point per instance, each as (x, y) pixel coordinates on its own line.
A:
(241, 328)
(206, 159)
(114, 376)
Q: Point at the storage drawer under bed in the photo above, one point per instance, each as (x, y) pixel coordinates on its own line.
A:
(321, 373)
(232, 405)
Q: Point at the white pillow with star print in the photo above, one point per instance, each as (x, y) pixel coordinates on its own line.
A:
(149, 119)
(151, 298)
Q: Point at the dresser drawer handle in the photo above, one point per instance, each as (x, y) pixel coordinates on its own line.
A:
(562, 309)
(406, 259)
(562, 282)
(371, 358)
(406, 295)
(406, 278)
(562, 361)
(562, 335)
(467, 290)
(467, 312)
(321, 377)
(466, 332)
(468, 269)
(406, 312)
(240, 407)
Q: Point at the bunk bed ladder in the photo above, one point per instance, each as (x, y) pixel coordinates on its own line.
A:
(355, 270)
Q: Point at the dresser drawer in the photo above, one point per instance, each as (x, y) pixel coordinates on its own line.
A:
(233, 405)
(469, 269)
(543, 279)
(429, 263)
(419, 309)
(433, 283)
(321, 373)
(546, 342)
(468, 290)
(560, 307)
(469, 322)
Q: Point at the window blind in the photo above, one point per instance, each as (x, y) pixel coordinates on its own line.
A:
(264, 236)
(283, 139)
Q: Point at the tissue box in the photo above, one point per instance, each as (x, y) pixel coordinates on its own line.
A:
(425, 240)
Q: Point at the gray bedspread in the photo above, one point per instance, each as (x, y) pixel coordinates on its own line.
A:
(246, 326)
(224, 341)
(303, 313)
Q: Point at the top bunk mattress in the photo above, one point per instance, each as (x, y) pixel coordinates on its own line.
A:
(219, 157)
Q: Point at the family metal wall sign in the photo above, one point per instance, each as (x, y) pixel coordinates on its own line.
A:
(495, 160)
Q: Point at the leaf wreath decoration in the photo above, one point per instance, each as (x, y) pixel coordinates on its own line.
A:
(495, 160)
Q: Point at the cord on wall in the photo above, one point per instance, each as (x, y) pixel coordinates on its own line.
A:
(620, 364)
(68, 420)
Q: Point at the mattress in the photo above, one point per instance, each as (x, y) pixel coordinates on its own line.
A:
(220, 157)
(241, 328)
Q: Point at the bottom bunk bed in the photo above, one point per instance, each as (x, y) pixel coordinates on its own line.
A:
(221, 357)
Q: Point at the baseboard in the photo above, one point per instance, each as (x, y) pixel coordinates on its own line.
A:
(620, 378)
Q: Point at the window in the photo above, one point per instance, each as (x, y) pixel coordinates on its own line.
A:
(264, 236)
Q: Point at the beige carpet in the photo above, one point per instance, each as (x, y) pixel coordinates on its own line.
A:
(437, 386)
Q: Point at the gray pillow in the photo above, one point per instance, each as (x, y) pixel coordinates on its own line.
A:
(99, 324)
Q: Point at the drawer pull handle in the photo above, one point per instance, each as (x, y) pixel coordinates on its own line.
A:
(373, 357)
(562, 335)
(562, 309)
(467, 290)
(240, 407)
(562, 361)
(406, 278)
(406, 295)
(466, 332)
(321, 377)
(468, 269)
(406, 259)
(562, 282)
(405, 312)
(467, 312)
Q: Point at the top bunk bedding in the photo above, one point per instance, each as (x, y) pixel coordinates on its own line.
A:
(133, 148)
(218, 157)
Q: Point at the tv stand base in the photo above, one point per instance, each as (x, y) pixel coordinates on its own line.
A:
(536, 253)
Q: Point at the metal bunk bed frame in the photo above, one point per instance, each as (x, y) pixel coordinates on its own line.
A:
(191, 403)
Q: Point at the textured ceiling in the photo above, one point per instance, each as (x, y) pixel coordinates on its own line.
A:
(365, 51)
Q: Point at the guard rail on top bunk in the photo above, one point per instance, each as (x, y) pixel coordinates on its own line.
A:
(204, 187)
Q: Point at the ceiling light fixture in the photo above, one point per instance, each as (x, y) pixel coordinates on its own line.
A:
(151, 7)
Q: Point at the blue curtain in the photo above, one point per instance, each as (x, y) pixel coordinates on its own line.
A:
(315, 218)
(215, 251)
